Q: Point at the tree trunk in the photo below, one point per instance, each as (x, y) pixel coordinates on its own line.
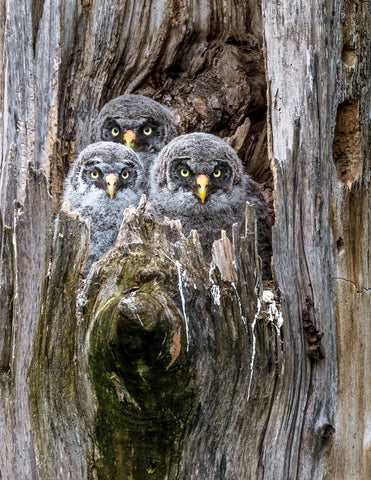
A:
(158, 364)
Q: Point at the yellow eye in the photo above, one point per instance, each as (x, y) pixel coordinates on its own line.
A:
(94, 174)
(125, 175)
(184, 172)
(217, 173)
(147, 130)
(115, 131)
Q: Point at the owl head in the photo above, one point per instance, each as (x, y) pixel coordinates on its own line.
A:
(137, 122)
(197, 172)
(108, 171)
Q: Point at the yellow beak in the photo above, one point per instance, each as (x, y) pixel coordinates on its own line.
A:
(202, 182)
(111, 181)
(129, 138)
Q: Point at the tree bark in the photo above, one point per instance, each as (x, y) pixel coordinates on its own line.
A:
(158, 364)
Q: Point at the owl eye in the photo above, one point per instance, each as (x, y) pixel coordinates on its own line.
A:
(217, 172)
(125, 174)
(94, 174)
(184, 172)
(147, 130)
(115, 131)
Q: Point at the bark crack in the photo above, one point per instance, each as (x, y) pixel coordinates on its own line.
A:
(358, 291)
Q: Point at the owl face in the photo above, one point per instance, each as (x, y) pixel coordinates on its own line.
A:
(204, 180)
(109, 170)
(105, 179)
(196, 174)
(137, 122)
(143, 135)
(109, 177)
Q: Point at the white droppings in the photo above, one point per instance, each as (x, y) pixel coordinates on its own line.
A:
(132, 305)
(212, 268)
(267, 296)
(215, 290)
(81, 302)
(275, 316)
(253, 347)
(180, 287)
(239, 304)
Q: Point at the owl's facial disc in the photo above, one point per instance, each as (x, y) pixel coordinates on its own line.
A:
(111, 182)
(129, 138)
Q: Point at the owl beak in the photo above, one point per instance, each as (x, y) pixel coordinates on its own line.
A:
(129, 138)
(202, 183)
(111, 182)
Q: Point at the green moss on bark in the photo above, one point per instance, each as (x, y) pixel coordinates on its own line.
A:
(144, 393)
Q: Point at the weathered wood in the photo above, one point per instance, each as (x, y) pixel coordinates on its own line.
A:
(6, 296)
(175, 353)
(58, 418)
(205, 61)
(350, 456)
(32, 233)
(308, 76)
(173, 350)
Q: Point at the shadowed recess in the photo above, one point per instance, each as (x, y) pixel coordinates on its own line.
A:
(37, 11)
(347, 143)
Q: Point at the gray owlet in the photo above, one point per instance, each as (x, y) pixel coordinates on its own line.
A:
(105, 179)
(199, 179)
(137, 122)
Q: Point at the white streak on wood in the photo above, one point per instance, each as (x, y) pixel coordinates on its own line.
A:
(274, 314)
(253, 347)
(131, 304)
(215, 289)
(239, 304)
(180, 287)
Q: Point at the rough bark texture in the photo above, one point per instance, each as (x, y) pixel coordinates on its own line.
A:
(160, 365)
(179, 354)
(350, 220)
(318, 71)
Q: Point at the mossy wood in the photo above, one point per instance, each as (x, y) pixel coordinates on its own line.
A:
(159, 365)
(173, 348)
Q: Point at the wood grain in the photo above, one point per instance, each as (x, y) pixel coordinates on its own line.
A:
(250, 374)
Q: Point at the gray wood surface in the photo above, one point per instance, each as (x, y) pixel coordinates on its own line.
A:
(159, 365)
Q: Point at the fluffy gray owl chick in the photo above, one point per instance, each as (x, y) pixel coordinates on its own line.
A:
(105, 179)
(199, 179)
(137, 122)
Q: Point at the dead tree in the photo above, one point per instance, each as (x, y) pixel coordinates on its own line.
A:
(159, 364)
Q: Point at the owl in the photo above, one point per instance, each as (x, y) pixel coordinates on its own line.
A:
(199, 179)
(105, 179)
(137, 122)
